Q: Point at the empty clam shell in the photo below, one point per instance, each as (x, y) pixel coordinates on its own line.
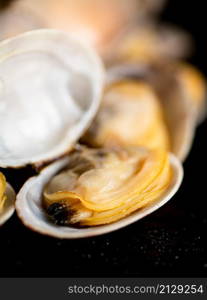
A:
(7, 200)
(30, 202)
(50, 89)
(179, 113)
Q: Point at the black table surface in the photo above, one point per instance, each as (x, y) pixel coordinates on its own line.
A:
(170, 242)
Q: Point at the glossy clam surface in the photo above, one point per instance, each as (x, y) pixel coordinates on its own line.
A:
(130, 114)
(31, 205)
(48, 95)
(7, 200)
(177, 94)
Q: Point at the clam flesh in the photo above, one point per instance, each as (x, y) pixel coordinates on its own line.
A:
(182, 94)
(130, 114)
(107, 187)
(7, 200)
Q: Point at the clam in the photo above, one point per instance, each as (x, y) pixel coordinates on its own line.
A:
(95, 191)
(130, 114)
(50, 89)
(179, 88)
(7, 200)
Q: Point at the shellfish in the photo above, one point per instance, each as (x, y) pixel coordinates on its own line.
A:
(130, 114)
(52, 97)
(7, 200)
(109, 187)
(48, 95)
(182, 94)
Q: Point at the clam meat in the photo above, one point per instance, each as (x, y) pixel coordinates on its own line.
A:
(130, 114)
(101, 186)
(7, 200)
(181, 90)
(109, 187)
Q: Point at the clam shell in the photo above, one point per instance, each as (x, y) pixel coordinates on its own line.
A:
(30, 211)
(50, 90)
(9, 206)
(180, 115)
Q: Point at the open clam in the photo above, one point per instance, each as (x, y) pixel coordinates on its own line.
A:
(130, 114)
(111, 188)
(48, 95)
(179, 89)
(7, 200)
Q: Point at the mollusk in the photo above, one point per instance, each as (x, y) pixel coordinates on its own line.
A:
(47, 85)
(130, 114)
(7, 200)
(107, 187)
(48, 95)
(182, 94)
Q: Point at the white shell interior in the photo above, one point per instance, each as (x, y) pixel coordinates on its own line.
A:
(50, 88)
(9, 206)
(29, 205)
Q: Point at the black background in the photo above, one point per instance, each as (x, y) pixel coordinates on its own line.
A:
(170, 242)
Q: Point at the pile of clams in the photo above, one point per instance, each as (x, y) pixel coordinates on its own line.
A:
(106, 134)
